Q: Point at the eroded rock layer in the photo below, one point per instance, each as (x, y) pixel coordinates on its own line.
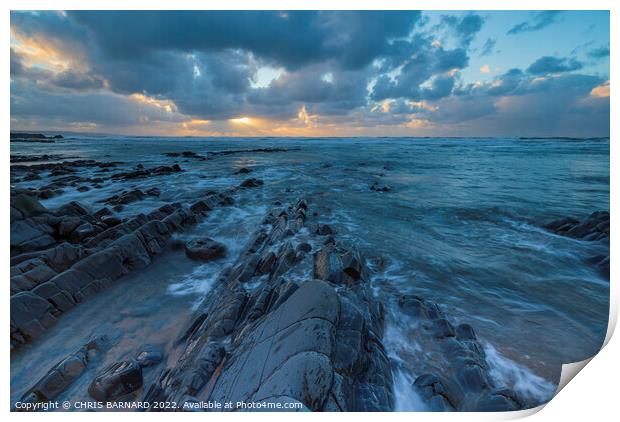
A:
(285, 325)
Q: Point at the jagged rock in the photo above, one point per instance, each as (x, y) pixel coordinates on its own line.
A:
(67, 225)
(82, 232)
(324, 230)
(31, 314)
(201, 207)
(25, 206)
(204, 249)
(73, 209)
(117, 380)
(28, 235)
(148, 358)
(251, 183)
(328, 265)
(111, 220)
(596, 227)
(304, 247)
(65, 372)
(304, 342)
(375, 187)
(141, 173)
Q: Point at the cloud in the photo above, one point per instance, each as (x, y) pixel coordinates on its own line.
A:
(540, 20)
(550, 64)
(465, 28)
(286, 72)
(599, 53)
(432, 65)
(601, 91)
(292, 39)
(488, 47)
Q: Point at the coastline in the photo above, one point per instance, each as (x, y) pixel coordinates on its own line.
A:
(65, 257)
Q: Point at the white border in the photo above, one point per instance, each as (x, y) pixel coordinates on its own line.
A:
(593, 395)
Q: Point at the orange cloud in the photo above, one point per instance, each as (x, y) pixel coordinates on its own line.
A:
(166, 105)
(38, 51)
(600, 91)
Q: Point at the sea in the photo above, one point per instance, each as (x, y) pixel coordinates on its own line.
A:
(460, 222)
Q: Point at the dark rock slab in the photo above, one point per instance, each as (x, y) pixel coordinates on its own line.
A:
(204, 249)
(116, 381)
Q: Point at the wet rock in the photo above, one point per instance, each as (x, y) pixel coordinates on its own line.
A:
(353, 266)
(62, 375)
(442, 328)
(153, 192)
(148, 358)
(377, 188)
(142, 173)
(304, 247)
(26, 206)
(31, 314)
(251, 183)
(30, 235)
(117, 380)
(102, 212)
(204, 249)
(330, 240)
(243, 170)
(499, 401)
(595, 227)
(306, 341)
(327, 265)
(465, 332)
(324, 230)
(185, 154)
(83, 231)
(67, 225)
(201, 207)
(111, 220)
(126, 197)
(73, 208)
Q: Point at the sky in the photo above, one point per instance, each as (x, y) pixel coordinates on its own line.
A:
(311, 73)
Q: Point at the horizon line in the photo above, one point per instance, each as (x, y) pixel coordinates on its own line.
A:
(95, 134)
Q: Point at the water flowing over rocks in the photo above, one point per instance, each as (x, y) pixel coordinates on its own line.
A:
(294, 317)
(62, 375)
(61, 258)
(460, 378)
(313, 341)
(594, 228)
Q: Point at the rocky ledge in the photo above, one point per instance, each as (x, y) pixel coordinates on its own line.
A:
(61, 258)
(284, 325)
(34, 137)
(594, 229)
(294, 322)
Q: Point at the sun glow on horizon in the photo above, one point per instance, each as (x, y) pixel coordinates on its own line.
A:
(241, 120)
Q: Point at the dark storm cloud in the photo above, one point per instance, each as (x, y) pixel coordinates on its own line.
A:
(205, 61)
(599, 53)
(291, 39)
(549, 64)
(117, 69)
(540, 20)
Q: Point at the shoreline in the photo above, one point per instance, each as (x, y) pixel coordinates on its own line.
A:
(107, 242)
